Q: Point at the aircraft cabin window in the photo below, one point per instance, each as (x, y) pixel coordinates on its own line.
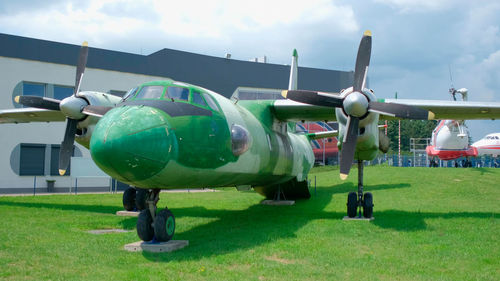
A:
(178, 93)
(211, 102)
(150, 92)
(130, 93)
(196, 98)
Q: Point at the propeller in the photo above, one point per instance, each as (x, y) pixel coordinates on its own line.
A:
(356, 105)
(71, 106)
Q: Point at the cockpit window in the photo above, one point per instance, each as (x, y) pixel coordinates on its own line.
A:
(130, 93)
(178, 93)
(197, 99)
(211, 102)
(150, 92)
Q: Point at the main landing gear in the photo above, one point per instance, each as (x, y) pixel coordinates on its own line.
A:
(153, 226)
(360, 201)
(134, 199)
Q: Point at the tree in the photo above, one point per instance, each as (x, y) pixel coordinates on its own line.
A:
(409, 129)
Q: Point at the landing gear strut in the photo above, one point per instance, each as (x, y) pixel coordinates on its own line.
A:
(361, 201)
(152, 226)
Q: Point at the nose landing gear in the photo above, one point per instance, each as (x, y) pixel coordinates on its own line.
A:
(153, 226)
(360, 201)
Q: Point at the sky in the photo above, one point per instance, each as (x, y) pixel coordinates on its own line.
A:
(415, 42)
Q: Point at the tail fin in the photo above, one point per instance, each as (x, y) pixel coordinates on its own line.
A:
(292, 84)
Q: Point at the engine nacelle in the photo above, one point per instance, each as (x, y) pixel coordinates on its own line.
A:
(86, 125)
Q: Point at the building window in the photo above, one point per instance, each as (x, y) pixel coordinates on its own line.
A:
(62, 92)
(32, 160)
(117, 93)
(54, 160)
(33, 89)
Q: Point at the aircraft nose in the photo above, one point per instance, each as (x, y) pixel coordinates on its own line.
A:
(132, 143)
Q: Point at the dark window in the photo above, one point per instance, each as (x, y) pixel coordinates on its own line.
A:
(210, 102)
(117, 93)
(198, 99)
(33, 89)
(62, 92)
(32, 160)
(178, 93)
(150, 92)
(54, 160)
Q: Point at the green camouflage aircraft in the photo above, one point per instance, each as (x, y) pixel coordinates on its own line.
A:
(169, 134)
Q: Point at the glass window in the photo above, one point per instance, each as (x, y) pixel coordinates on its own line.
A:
(117, 93)
(210, 102)
(33, 89)
(130, 93)
(198, 99)
(32, 160)
(178, 93)
(150, 92)
(62, 92)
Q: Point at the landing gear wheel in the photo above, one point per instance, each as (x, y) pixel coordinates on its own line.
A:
(164, 226)
(368, 205)
(144, 226)
(129, 199)
(352, 204)
(140, 199)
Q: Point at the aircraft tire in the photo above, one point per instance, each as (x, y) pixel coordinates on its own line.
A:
(144, 228)
(140, 199)
(368, 205)
(129, 199)
(352, 204)
(164, 226)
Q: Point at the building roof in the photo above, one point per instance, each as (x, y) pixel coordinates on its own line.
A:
(215, 73)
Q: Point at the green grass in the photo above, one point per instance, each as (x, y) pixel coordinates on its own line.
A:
(430, 224)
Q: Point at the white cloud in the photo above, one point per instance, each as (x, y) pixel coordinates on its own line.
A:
(406, 6)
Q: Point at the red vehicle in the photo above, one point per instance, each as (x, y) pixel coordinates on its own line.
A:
(325, 150)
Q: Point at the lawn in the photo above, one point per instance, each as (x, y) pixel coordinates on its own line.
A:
(430, 224)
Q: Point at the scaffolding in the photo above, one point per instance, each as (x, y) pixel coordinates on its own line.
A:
(418, 146)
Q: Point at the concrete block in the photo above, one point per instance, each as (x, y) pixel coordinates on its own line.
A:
(278, 202)
(169, 246)
(128, 213)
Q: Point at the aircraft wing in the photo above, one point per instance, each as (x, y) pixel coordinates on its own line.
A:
(288, 110)
(459, 110)
(26, 115)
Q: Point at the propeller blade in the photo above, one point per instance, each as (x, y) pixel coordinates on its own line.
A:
(362, 61)
(400, 110)
(95, 110)
(38, 102)
(80, 67)
(314, 98)
(348, 146)
(67, 146)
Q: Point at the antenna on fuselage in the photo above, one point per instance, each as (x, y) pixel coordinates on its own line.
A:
(452, 90)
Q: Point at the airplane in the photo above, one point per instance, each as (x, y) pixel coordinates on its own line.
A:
(489, 145)
(169, 134)
(450, 138)
(325, 151)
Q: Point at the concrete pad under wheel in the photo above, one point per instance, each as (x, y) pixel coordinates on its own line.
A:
(278, 202)
(162, 247)
(356, 218)
(128, 213)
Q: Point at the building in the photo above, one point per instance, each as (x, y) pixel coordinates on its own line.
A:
(29, 152)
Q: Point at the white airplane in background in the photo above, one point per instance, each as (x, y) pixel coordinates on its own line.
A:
(489, 145)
